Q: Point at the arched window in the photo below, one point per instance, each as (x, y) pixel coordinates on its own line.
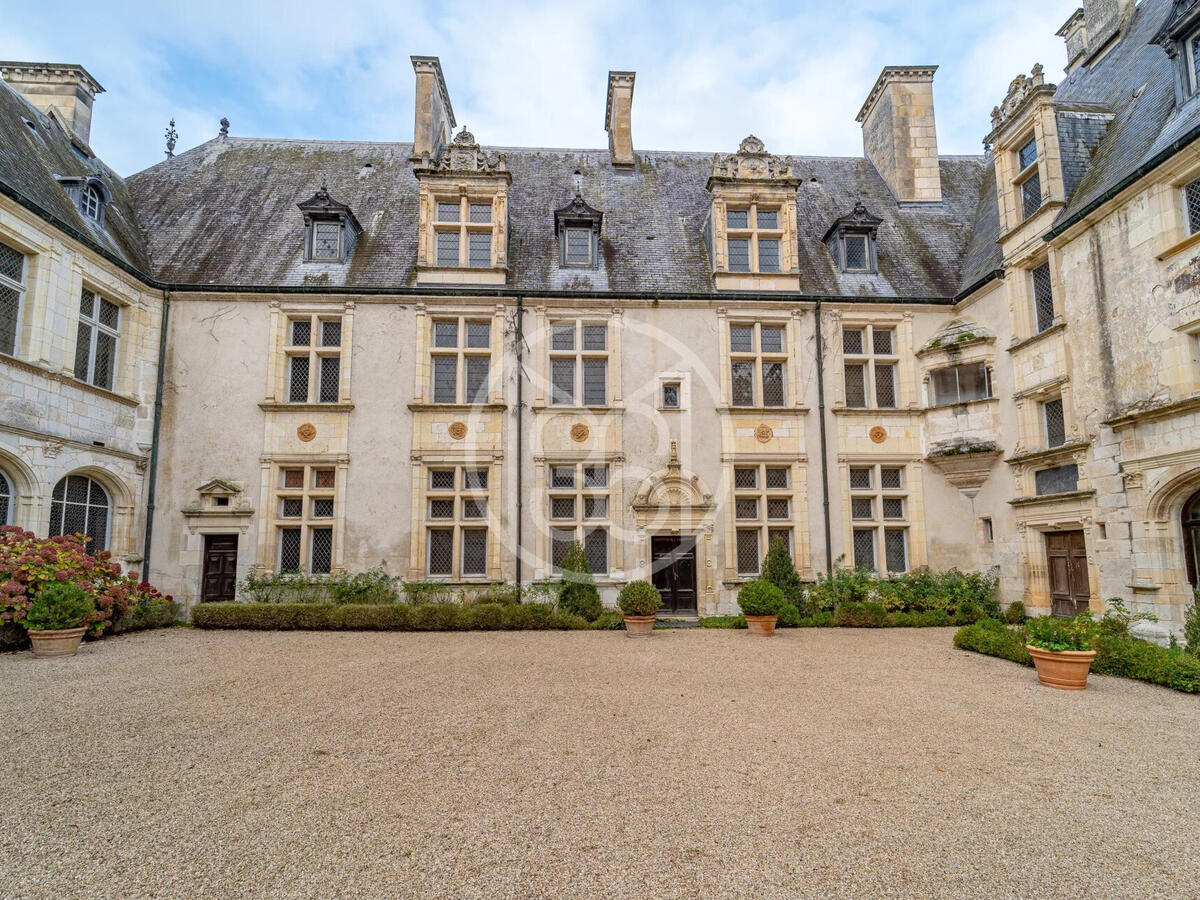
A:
(81, 505)
(1191, 537)
(91, 202)
(7, 499)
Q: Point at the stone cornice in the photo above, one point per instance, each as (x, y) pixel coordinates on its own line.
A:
(63, 378)
(886, 77)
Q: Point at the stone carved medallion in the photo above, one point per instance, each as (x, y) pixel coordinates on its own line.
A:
(457, 430)
(763, 433)
(306, 432)
(878, 434)
(579, 432)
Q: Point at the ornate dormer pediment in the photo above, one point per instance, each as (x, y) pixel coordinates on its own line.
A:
(322, 206)
(578, 213)
(857, 220)
(1184, 16)
(752, 162)
(330, 228)
(464, 157)
(1021, 90)
(219, 497)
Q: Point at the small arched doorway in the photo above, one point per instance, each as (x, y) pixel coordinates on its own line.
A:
(1190, 517)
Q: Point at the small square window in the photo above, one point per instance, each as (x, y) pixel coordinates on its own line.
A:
(595, 507)
(779, 508)
(475, 479)
(768, 219)
(771, 339)
(327, 240)
(445, 334)
(741, 338)
(480, 213)
(893, 507)
(474, 508)
(479, 335)
(322, 507)
(746, 508)
(595, 476)
(852, 341)
(881, 340)
(448, 211)
(301, 332)
(891, 479)
(862, 508)
(739, 255)
(857, 258)
(331, 333)
(578, 247)
(777, 478)
(562, 336)
(292, 507)
(595, 337)
(737, 218)
(562, 507)
(1027, 155)
(745, 478)
(670, 395)
(562, 476)
(323, 478)
(860, 479)
(441, 508)
(293, 478)
(441, 480)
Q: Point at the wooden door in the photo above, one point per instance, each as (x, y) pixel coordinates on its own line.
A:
(673, 570)
(220, 567)
(1067, 564)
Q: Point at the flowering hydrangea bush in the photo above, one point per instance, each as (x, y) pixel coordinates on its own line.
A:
(28, 563)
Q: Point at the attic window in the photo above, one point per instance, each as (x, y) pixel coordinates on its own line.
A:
(1191, 198)
(1192, 54)
(578, 228)
(851, 241)
(330, 228)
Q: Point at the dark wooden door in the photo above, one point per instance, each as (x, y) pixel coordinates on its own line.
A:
(220, 567)
(1066, 559)
(673, 570)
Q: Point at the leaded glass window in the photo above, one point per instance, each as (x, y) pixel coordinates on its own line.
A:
(304, 538)
(1043, 297)
(878, 496)
(739, 255)
(758, 364)
(461, 361)
(748, 551)
(577, 246)
(327, 240)
(457, 512)
(762, 504)
(1027, 155)
(1191, 202)
(96, 340)
(1056, 429)
(858, 257)
(578, 505)
(80, 505)
(12, 292)
(463, 231)
(1031, 195)
(314, 360)
(481, 250)
(7, 499)
(753, 239)
(91, 203)
(578, 364)
(870, 367)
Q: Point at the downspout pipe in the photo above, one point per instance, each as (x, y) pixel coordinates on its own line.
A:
(520, 506)
(152, 478)
(824, 440)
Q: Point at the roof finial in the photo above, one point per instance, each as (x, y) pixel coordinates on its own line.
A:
(224, 128)
(172, 136)
(578, 183)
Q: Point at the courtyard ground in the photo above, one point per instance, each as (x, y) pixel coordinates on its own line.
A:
(818, 763)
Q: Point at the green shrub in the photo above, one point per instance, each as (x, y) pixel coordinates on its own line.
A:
(968, 612)
(990, 637)
(860, 615)
(789, 616)
(639, 598)
(610, 620)
(481, 617)
(384, 617)
(1015, 614)
(58, 605)
(370, 587)
(578, 595)
(1050, 633)
(723, 622)
(779, 569)
(418, 593)
(760, 598)
(494, 593)
(840, 586)
(818, 620)
(158, 613)
(1191, 625)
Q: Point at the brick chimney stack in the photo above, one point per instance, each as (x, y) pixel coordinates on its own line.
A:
(618, 114)
(899, 135)
(64, 88)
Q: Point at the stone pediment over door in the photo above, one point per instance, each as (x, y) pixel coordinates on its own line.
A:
(672, 499)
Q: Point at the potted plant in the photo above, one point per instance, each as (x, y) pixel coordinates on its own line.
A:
(760, 602)
(639, 601)
(1062, 650)
(57, 619)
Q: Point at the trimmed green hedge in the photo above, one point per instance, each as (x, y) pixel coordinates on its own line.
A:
(384, 617)
(1116, 654)
(849, 615)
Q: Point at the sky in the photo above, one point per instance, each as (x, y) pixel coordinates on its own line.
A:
(531, 73)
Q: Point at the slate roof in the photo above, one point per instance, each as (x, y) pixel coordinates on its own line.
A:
(30, 157)
(1134, 81)
(225, 213)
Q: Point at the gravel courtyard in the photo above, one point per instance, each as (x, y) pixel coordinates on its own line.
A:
(816, 763)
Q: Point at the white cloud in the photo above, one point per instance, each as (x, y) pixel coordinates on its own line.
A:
(533, 72)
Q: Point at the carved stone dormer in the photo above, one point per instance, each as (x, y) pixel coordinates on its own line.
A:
(463, 217)
(1021, 90)
(330, 228)
(577, 226)
(752, 225)
(851, 241)
(219, 498)
(1181, 26)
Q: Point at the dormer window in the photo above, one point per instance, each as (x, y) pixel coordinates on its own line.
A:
(1179, 37)
(753, 235)
(578, 228)
(330, 228)
(464, 233)
(91, 203)
(851, 241)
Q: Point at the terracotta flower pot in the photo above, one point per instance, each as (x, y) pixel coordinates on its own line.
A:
(639, 626)
(60, 642)
(1066, 670)
(764, 625)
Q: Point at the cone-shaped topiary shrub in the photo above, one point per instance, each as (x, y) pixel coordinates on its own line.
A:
(579, 595)
(779, 569)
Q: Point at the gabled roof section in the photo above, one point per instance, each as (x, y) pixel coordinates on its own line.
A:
(322, 205)
(36, 150)
(857, 219)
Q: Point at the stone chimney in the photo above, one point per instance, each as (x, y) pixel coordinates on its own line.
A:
(65, 88)
(1075, 34)
(1104, 19)
(899, 137)
(434, 114)
(618, 113)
